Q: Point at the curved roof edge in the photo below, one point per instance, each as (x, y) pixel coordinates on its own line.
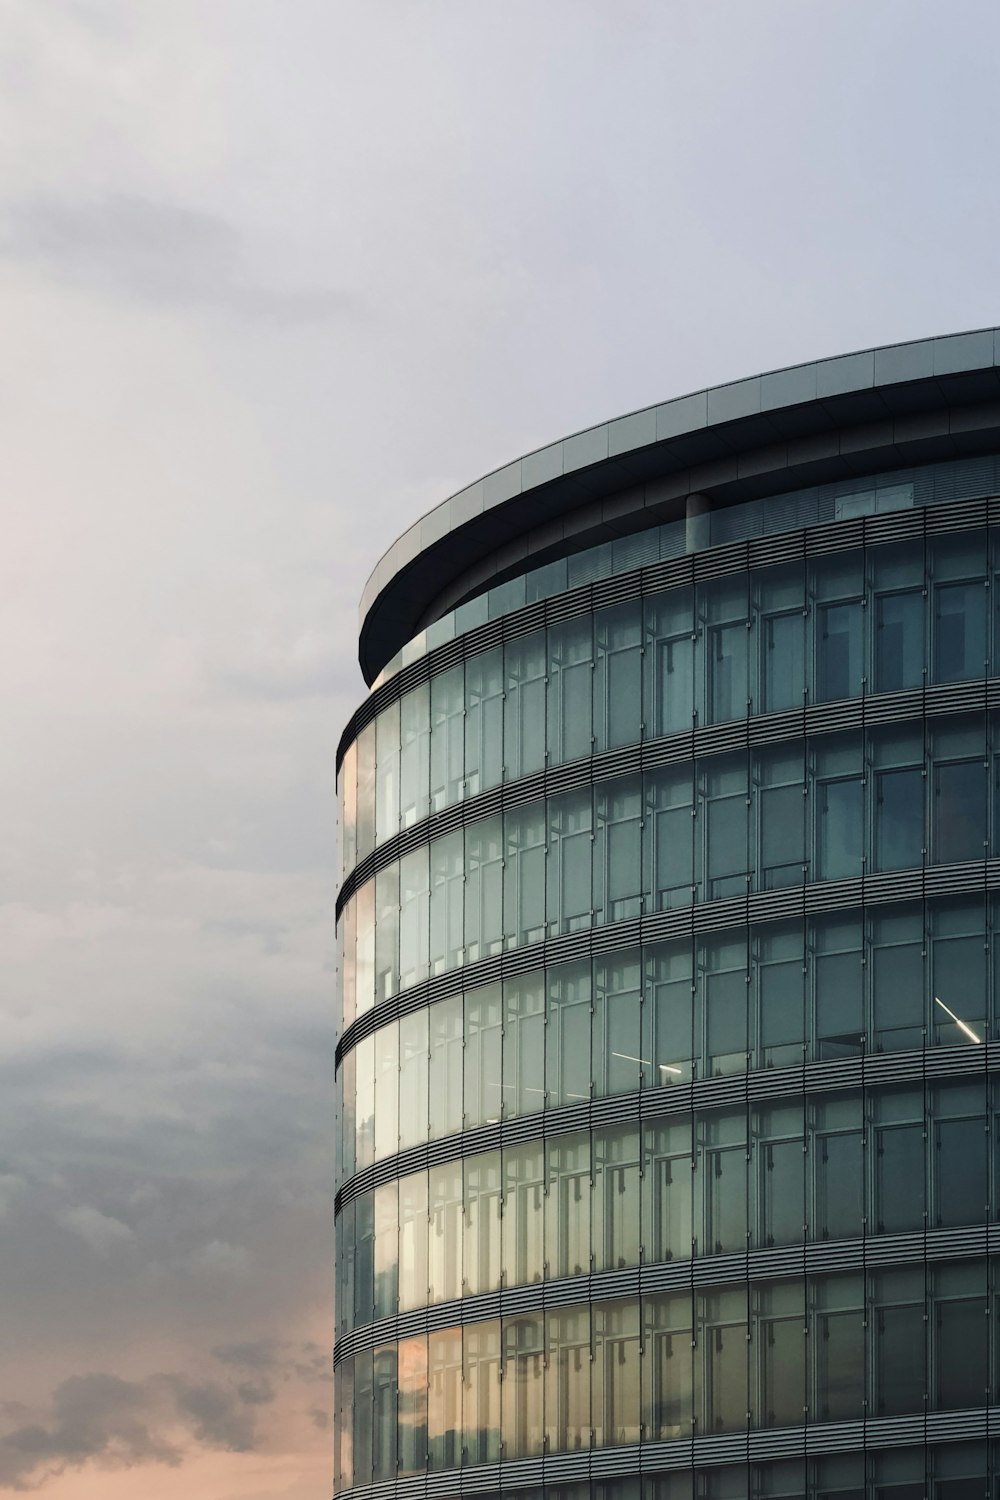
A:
(483, 529)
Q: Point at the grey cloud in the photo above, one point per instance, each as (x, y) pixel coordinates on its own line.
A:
(157, 251)
(258, 1392)
(217, 1413)
(101, 1419)
(256, 1353)
(94, 1417)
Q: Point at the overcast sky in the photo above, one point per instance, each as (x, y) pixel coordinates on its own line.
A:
(275, 277)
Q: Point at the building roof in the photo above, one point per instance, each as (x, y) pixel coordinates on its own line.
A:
(866, 412)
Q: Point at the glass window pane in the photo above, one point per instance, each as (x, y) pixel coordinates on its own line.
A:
(569, 721)
(523, 1387)
(567, 1050)
(524, 1044)
(447, 769)
(524, 875)
(899, 641)
(959, 631)
(481, 1392)
(567, 1394)
(444, 1398)
(483, 889)
(960, 811)
(722, 1396)
(568, 1205)
(670, 660)
(782, 661)
(667, 1191)
(444, 1203)
(839, 651)
(899, 819)
(446, 1066)
(618, 850)
(569, 895)
(483, 721)
(616, 1372)
(387, 773)
(482, 1223)
(415, 755)
(618, 675)
(386, 1261)
(446, 902)
(523, 1216)
(524, 706)
(483, 1039)
(413, 1063)
(366, 791)
(668, 1375)
(616, 1215)
(412, 1427)
(617, 1061)
(413, 1241)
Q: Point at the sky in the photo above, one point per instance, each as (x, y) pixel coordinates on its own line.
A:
(276, 276)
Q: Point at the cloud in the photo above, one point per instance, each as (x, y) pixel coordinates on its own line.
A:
(101, 1232)
(154, 250)
(102, 1420)
(256, 1353)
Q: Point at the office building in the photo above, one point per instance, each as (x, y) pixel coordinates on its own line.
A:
(669, 1057)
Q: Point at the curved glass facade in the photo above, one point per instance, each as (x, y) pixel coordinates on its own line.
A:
(669, 1064)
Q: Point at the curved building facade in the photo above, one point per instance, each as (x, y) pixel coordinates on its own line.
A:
(668, 1071)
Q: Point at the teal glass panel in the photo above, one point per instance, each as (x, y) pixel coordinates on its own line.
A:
(412, 1386)
(387, 773)
(779, 1175)
(618, 1065)
(446, 1066)
(900, 1152)
(447, 902)
(523, 1385)
(366, 791)
(616, 1372)
(959, 631)
(365, 1101)
(667, 1185)
(481, 1266)
(618, 849)
(568, 1031)
(899, 819)
(839, 1169)
(777, 1338)
(386, 1253)
(668, 1032)
(959, 1340)
(779, 970)
(670, 661)
(568, 1205)
(444, 1254)
(668, 1372)
(483, 1054)
(413, 1241)
(570, 712)
(568, 1379)
(523, 1214)
(414, 755)
(959, 811)
(414, 918)
(524, 706)
(444, 1398)
(481, 1392)
(364, 904)
(721, 1394)
(569, 861)
(722, 1181)
(385, 1399)
(725, 826)
(899, 1353)
(618, 675)
(668, 837)
(483, 889)
(413, 1064)
(898, 1007)
(524, 875)
(617, 1221)
(386, 1092)
(838, 808)
(386, 932)
(447, 761)
(722, 975)
(723, 612)
(837, 1347)
(837, 968)
(483, 721)
(779, 794)
(362, 1415)
(524, 1044)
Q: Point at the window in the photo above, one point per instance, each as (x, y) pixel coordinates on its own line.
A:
(670, 660)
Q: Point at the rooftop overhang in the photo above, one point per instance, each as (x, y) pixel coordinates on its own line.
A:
(860, 413)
